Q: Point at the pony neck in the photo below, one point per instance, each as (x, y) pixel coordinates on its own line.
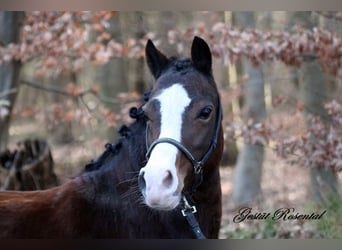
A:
(123, 162)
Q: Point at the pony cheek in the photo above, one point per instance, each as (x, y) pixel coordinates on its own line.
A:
(201, 142)
(184, 172)
(196, 137)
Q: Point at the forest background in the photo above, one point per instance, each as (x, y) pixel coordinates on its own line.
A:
(71, 78)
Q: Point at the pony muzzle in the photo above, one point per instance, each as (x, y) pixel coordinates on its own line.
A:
(159, 188)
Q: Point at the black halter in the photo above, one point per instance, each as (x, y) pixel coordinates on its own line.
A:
(188, 210)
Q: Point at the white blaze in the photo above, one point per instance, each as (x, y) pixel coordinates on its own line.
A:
(173, 102)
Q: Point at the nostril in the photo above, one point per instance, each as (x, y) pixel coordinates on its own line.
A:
(141, 182)
(167, 181)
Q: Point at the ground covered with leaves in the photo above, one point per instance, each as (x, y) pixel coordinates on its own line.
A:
(283, 186)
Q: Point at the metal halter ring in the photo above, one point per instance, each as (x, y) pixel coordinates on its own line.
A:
(187, 208)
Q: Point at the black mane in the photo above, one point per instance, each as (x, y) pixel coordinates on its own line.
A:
(181, 64)
(125, 132)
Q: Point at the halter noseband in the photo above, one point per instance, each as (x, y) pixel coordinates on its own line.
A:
(197, 165)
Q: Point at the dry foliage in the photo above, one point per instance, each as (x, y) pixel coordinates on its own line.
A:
(231, 44)
(60, 42)
(320, 145)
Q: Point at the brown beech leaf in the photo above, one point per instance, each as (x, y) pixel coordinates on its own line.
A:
(73, 89)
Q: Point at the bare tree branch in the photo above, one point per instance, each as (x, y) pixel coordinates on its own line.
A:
(8, 92)
(60, 91)
(337, 15)
(48, 88)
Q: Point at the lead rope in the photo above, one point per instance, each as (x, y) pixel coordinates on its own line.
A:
(189, 213)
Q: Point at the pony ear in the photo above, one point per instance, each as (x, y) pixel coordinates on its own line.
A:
(201, 55)
(156, 60)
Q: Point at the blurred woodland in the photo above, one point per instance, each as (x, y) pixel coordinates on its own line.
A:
(70, 78)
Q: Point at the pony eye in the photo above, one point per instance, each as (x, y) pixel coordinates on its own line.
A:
(205, 113)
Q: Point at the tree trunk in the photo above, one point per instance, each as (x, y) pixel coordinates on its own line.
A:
(135, 26)
(324, 182)
(223, 78)
(29, 167)
(113, 75)
(303, 19)
(242, 20)
(247, 176)
(166, 21)
(10, 24)
(332, 82)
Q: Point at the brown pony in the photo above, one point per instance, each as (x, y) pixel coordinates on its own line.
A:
(151, 182)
